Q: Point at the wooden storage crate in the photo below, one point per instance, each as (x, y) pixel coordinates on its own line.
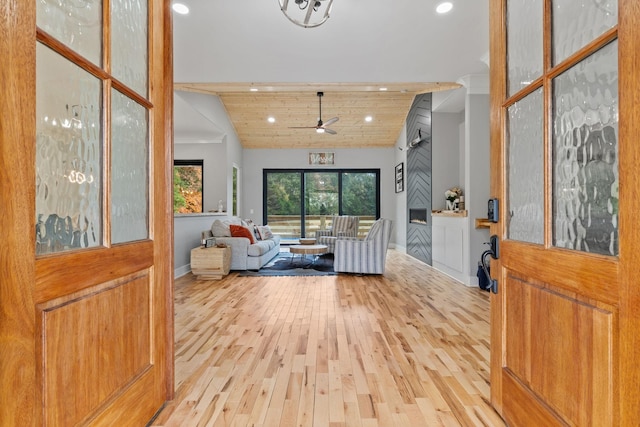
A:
(210, 263)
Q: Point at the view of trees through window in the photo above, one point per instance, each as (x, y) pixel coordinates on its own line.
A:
(187, 186)
(359, 194)
(299, 202)
(234, 195)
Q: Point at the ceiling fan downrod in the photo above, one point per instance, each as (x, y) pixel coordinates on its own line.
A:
(320, 95)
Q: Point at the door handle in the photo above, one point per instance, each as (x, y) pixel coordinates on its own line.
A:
(493, 252)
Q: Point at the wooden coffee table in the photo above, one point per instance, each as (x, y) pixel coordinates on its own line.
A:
(304, 250)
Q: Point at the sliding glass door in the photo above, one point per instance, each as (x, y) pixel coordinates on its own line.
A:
(299, 202)
(283, 203)
(361, 197)
(321, 200)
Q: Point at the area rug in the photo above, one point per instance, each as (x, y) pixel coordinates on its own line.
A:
(287, 265)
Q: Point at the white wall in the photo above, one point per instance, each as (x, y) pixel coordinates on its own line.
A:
(461, 158)
(399, 232)
(187, 230)
(447, 167)
(214, 186)
(477, 154)
(254, 161)
(219, 158)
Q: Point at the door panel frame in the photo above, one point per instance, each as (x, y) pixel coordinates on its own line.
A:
(26, 284)
(615, 286)
(50, 271)
(19, 391)
(629, 87)
(565, 272)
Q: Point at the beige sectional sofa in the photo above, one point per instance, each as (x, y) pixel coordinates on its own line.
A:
(244, 254)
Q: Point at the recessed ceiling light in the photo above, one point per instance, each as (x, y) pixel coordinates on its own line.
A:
(253, 89)
(180, 8)
(271, 119)
(444, 7)
(368, 119)
(383, 89)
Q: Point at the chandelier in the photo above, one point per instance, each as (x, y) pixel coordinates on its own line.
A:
(306, 13)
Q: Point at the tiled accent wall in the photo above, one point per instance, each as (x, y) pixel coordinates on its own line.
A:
(418, 178)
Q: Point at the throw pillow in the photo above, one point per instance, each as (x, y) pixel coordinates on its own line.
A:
(256, 232)
(265, 232)
(220, 229)
(241, 231)
(253, 227)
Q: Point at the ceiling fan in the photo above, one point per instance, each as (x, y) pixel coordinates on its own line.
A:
(321, 127)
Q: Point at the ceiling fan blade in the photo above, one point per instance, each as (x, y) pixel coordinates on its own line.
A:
(303, 127)
(331, 131)
(331, 121)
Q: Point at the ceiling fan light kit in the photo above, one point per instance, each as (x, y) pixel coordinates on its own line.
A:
(306, 13)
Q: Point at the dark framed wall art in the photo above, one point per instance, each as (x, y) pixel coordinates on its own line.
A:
(400, 177)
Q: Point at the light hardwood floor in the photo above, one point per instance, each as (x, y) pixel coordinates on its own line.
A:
(410, 348)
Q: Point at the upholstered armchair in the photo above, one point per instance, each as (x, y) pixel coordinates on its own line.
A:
(364, 256)
(341, 226)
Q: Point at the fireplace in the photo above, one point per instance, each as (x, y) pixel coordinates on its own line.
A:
(418, 216)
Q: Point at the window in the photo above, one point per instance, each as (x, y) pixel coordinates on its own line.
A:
(235, 189)
(187, 186)
(299, 202)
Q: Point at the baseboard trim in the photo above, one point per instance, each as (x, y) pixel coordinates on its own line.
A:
(399, 248)
(181, 271)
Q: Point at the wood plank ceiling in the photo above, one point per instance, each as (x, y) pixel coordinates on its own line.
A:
(294, 105)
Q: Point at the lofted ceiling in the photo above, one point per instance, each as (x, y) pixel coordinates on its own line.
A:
(298, 106)
(226, 48)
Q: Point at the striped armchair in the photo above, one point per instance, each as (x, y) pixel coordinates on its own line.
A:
(341, 226)
(366, 256)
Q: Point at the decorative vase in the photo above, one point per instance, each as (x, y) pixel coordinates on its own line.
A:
(450, 205)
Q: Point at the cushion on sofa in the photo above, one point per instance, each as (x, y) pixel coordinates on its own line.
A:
(265, 232)
(221, 228)
(242, 231)
(261, 247)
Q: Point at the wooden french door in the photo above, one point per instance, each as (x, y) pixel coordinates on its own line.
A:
(85, 193)
(565, 85)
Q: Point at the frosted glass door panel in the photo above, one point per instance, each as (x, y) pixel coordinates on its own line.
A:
(524, 43)
(76, 23)
(129, 170)
(577, 23)
(68, 155)
(525, 167)
(129, 24)
(585, 154)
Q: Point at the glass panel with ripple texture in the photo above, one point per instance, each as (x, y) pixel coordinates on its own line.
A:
(129, 25)
(76, 23)
(585, 154)
(578, 22)
(129, 170)
(524, 43)
(68, 155)
(526, 169)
